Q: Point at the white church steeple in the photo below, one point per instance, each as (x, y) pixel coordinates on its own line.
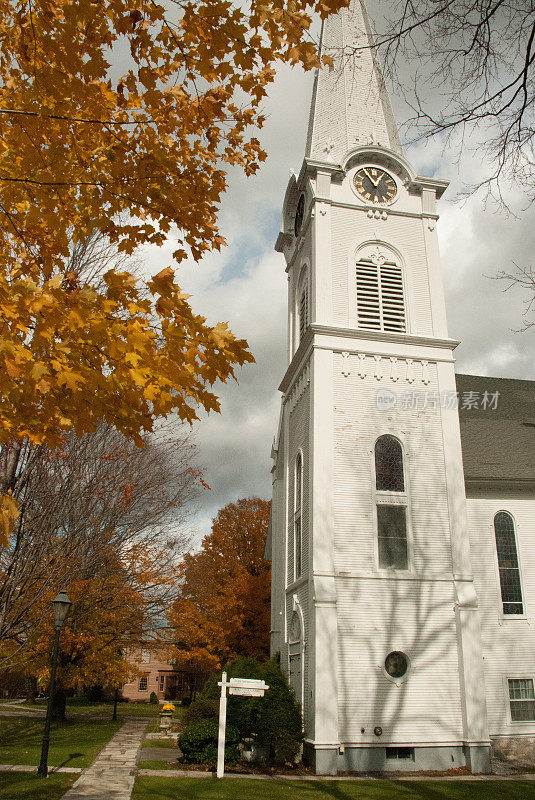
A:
(350, 104)
(374, 611)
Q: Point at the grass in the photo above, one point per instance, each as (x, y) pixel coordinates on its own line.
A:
(72, 743)
(156, 765)
(80, 705)
(24, 786)
(147, 788)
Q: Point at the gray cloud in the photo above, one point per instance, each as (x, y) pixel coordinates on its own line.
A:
(246, 285)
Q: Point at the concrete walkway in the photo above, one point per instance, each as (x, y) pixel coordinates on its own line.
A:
(111, 775)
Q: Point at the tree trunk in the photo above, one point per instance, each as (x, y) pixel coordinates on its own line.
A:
(59, 703)
(31, 690)
(115, 699)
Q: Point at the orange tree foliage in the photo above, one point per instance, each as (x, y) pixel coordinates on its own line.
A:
(108, 521)
(224, 606)
(133, 152)
(106, 619)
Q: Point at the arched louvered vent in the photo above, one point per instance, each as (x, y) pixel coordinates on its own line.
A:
(303, 311)
(380, 303)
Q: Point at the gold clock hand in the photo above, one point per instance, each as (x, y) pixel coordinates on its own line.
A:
(375, 183)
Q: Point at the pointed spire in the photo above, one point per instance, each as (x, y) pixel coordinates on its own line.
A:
(350, 104)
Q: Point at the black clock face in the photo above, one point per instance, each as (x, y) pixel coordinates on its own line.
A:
(299, 214)
(375, 185)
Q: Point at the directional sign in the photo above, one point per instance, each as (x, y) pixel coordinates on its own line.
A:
(246, 687)
(248, 683)
(246, 691)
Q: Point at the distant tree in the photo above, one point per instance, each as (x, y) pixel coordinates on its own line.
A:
(107, 520)
(223, 609)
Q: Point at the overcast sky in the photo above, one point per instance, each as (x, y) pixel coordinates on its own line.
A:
(246, 286)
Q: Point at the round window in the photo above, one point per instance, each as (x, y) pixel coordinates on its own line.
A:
(396, 664)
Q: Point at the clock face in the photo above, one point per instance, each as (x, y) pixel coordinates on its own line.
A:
(375, 185)
(299, 214)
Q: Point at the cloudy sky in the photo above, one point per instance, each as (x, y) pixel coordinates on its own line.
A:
(246, 286)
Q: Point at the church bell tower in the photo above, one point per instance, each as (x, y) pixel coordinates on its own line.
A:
(374, 611)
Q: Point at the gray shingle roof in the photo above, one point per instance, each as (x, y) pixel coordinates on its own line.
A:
(498, 443)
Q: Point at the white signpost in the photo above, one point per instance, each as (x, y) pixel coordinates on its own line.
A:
(244, 687)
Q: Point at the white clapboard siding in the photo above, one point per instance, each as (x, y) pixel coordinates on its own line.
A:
(375, 618)
(504, 636)
(358, 423)
(406, 235)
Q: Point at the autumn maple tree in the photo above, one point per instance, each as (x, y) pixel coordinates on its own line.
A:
(223, 610)
(108, 520)
(122, 117)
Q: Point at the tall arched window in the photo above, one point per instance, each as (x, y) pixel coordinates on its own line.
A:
(391, 518)
(302, 305)
(511, 588)
(389, 465)
(380, 300)
(298, 500)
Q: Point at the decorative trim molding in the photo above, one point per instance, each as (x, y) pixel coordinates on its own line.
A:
(392, 368)
(355, 335)
(300, 384)
(383, 336)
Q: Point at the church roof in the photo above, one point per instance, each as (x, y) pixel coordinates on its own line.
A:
(497, 436)
(350, 104)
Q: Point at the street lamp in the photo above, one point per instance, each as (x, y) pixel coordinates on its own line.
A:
(61, 605)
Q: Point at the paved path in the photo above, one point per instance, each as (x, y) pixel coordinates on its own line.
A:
(17, 709)
(111, 775)
(160, 754)
(26, 768)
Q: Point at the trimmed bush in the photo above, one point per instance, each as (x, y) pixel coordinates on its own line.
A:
(198, 743)
(153, 699)
(273, 721)
(202, 708)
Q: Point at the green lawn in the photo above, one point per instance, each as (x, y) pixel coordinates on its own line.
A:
(72, 743)
(80, 705)
(159, 743)
(20, 786)
(243, 789)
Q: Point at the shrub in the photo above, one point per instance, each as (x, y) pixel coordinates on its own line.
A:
(202, 708)
(238, 708)
(153, 698)
(186, 701)
(198, 743)
(273, 721)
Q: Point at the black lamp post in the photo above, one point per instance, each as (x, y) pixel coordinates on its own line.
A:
(61, 605)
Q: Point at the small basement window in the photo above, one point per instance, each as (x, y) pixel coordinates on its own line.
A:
(406, 753)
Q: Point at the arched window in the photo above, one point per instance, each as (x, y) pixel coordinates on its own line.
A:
(388, 465)
(302, 305)
(380, 300)
(298, 500)
(391, 518)
(504, 532)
